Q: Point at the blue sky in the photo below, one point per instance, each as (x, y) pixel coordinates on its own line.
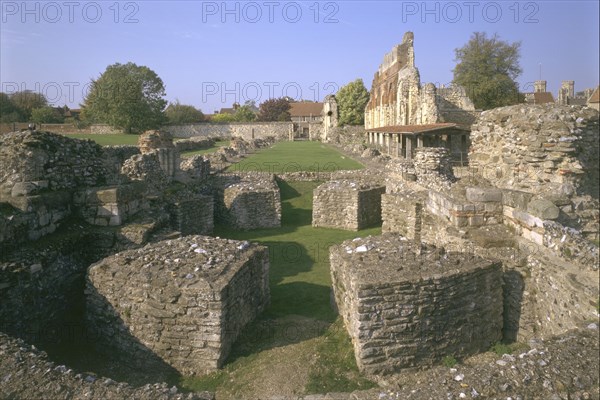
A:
(212, 53)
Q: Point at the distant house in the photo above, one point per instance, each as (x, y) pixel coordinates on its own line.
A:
(305, 113)
(594, 99)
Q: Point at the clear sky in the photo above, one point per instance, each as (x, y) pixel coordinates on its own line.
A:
(212, 53)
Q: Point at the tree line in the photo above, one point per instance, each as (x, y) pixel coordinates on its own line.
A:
(131, 97)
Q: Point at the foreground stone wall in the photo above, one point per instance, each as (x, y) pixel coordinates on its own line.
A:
(404, 310)
(347, 204)
(28, 373)
(182, 302)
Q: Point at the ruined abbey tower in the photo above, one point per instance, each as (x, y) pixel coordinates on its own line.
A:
(398, 98)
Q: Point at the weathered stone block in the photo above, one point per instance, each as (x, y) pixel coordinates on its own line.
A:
(479, 195)
(148, 305)
(460, 302)
(347, 204)
(543, 209)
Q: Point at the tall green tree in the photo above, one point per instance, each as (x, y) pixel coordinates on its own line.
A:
(274, 110)
(26, 101)
(47, 115)
(246, 113)
(488, 68)
(128, 97)
(178, 113)
(8, 111)
(352, 100)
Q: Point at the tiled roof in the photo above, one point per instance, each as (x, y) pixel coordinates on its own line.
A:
(414, 129)
(305, 109)
(543, 98)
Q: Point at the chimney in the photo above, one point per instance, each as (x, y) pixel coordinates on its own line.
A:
(539, 86)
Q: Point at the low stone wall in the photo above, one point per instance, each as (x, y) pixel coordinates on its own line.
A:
(40, 289)
(534, 219)
(34, 160)
(347, 204)
(250, 130)
(197, 168)
(562, 297)
(461, 212)
(31, 217)
(402, 213)
(253, 204)
(404, 310)
(193, 144)
(181, 302)
(28, 373)
(110, 206)
(193, 216)
(433, 167)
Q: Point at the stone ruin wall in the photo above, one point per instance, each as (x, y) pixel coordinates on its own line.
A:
(347, 204)
(404, 310)
(247, 201)
(397, 97)
(402, 213)
(247, 131)
(28, 373)
(179, 302)
(543, 149)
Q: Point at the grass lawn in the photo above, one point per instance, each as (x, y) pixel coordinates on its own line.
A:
(296, 156)
(300, 322)
(218, 144)
(299, 345)
(108, 140)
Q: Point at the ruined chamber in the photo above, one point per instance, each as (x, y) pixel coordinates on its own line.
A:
(179, 303)
(408, 307)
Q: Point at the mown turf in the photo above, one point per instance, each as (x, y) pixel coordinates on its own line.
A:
(218, 144)
(286, 157)
(300, 287)
(108, 140)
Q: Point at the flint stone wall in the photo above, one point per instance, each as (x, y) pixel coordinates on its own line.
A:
(347, 204)
(543, 149)
(480, 206)
(110, 206)
(193, 216)
(250, 130)
(402, 213)
(247, 201)
(433, 167)
(183, 301)
(33, 161)
(253, 204)
(404, 310)
(28, 373)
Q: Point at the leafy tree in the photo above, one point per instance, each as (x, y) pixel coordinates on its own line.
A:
(352, 100)
(46, 115)
(8, 111)
(274, 110)
(246, 112)
(26, 101)
(178, 113)
(128, 97)
(222, 118)
(487, 68)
